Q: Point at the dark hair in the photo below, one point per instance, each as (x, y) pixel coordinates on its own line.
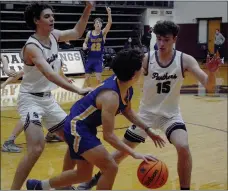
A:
(164, 28)
(33, 11)
(126, 63)
(98, 19)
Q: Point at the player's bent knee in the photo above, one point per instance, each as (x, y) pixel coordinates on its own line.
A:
(113, 168)
(110, 167)
(31, 121)
(119, 156)
(177, 134)
(182, 147)
(36, 150)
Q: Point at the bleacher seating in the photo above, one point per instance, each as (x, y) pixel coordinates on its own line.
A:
(126, 18)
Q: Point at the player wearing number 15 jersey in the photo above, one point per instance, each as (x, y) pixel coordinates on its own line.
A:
(94, 42)
(159, 106)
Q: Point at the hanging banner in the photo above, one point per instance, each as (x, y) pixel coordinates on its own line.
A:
(72, 62)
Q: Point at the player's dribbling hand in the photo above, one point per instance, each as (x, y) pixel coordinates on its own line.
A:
(146, 158)
(156, 138)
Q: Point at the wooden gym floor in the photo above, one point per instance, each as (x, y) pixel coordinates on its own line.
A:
(205, 117)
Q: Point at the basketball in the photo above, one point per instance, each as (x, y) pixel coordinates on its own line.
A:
(153, 174)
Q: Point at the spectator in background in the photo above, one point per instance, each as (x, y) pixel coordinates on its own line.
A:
(137, 43)
(108, 57)
(128, 44)
(219, 41)
(146, 38)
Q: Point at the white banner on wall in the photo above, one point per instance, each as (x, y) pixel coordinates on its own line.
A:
(10, 93)
(72, 62)
(169, 12)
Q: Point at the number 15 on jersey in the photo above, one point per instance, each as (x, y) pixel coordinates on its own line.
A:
(163, 87)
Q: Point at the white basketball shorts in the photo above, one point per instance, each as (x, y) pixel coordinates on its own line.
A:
(167, 125)
(35, 109)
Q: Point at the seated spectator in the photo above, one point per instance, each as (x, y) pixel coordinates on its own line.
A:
(128, 44)
(146, 38)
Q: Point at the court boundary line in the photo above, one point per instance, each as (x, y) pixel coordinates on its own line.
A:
(119, 128)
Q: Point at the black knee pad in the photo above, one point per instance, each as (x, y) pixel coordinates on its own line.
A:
(132, 137)
(174, 127)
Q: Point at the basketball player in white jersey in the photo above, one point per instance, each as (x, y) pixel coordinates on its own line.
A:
(41, 76)
(159, 106)
(9, 145)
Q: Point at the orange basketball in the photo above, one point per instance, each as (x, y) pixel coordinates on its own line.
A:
(153, 174)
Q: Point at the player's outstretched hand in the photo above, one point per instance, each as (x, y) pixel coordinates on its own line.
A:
(213, 64)
(108, 9)
(158, 141)
(90, 3)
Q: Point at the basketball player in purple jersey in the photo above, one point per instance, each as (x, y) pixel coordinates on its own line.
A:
(97, 108)
(94, 42)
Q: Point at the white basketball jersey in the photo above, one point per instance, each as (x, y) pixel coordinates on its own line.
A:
(33, 80)
(161, 89)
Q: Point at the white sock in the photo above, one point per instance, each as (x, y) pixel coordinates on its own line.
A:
(45, 185)
(12, 138)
